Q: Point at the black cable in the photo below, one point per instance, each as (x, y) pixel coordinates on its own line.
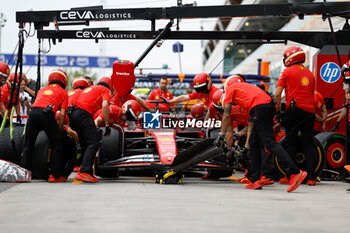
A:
(18, 65)
(47, 51)
(9, 61)
(30, 29)
(233, 47)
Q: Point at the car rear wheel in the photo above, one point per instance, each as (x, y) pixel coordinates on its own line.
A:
(11, 151)
(301, 160)
(41, 156)
(334, 146)
(110, 150)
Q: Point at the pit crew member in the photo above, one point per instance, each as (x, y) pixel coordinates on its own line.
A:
(118, 115)
(162, 91)
(81, 121)
(42, 117)
(4, 72)
(262, 110)
(299, 85)
(204, 90)
(6, 95)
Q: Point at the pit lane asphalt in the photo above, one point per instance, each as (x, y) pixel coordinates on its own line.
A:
(136, 204)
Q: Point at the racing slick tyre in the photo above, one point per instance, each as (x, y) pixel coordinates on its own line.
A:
(110, 150)
(42, 153)
(111, 146)
(220, 173)
(301, 159)
(106, 173)
(334, 146)
(11, 151)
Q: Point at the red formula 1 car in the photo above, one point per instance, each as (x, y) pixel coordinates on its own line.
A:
(156, 148)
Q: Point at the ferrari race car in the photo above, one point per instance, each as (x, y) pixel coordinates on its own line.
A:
(160, 149)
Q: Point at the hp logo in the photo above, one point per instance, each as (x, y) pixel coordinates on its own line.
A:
(330, 72)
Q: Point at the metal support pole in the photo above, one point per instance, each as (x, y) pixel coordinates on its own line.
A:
(159, 37)
(38, 79)
(178, 51)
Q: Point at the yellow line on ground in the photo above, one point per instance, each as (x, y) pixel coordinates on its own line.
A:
(147, 181)
(233, 178)
(75, 181)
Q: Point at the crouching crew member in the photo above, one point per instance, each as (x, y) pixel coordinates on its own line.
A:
(42, 117)
(204, 90)
(299, 85)
(81, 121)
(262, 110)
(78, 85)
(129, 111)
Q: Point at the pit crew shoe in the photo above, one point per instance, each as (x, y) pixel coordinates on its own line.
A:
(284, 180)
(311, 182)
(86, 177)
(244, 180)
(266, 181)
(60, 179)
(256, 185)
(296, 180)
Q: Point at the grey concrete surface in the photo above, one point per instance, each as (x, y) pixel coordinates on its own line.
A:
(136, 204)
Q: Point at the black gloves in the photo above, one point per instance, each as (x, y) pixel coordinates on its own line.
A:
(19, 120)
(107, 131)
(336, 126)
(244, 150)
(79, 148)
(279, 117)
(220, 141)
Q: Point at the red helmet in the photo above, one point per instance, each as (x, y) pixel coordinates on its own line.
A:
(131, 109)
(105, 80)
(4, 69)
(233, 79)
(58, 76)
(80, 82)
(201, 82)
(216, 100)
(11, 79)
(197, 111)
(293, 55)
